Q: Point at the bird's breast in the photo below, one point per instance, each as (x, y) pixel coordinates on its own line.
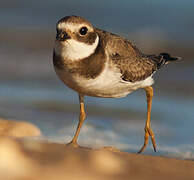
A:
(107, 84)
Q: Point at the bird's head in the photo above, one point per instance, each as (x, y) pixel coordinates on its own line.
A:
(75, 38)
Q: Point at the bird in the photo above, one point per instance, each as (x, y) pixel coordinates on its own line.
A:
(94, 62)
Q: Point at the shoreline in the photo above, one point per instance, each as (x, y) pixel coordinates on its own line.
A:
(35, 159)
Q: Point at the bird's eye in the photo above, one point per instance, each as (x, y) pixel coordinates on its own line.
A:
(83, 31)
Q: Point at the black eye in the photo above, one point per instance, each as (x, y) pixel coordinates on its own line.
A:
(83, 31)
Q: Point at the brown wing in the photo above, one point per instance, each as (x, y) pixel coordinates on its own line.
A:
(133, 65)
(115, 44)
(135, 68)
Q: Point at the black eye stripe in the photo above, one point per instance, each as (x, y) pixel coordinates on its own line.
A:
(83, 31)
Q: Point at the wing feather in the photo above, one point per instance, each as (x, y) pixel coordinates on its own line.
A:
(134, 65)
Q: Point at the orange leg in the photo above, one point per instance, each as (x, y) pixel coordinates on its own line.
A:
(148, 130)
(82, 117)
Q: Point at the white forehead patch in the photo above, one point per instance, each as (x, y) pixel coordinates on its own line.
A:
(72, 26)
(75, 50)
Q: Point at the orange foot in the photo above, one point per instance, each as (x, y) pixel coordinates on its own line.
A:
(72, 144)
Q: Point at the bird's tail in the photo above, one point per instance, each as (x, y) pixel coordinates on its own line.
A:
(163, 58)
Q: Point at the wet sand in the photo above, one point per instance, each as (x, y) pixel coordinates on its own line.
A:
(24, 158)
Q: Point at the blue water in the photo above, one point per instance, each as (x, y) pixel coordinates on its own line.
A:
(31, 91)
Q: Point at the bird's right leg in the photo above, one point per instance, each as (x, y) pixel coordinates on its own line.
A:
(82, 117)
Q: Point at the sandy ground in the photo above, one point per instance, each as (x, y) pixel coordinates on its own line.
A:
(18, 128)
(24, 158)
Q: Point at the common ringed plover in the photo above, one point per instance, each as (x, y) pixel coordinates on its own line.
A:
(97, 63)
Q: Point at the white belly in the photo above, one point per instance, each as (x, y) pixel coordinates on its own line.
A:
(107, 84)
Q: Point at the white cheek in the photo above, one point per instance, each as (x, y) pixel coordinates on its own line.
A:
(74, 50)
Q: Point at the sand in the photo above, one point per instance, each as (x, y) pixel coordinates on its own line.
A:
(23, 159)
(18, 128)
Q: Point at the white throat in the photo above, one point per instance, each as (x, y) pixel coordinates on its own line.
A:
(75, 50)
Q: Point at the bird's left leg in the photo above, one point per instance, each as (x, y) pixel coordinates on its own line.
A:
(148, 130)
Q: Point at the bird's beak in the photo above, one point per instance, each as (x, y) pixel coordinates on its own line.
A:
(62, 36)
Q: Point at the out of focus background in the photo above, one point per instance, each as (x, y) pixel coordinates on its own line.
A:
(31, 91)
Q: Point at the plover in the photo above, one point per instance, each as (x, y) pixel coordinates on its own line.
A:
(97, 63)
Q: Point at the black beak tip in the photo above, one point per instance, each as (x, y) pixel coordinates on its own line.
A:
(57, 37)
(62, 36)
